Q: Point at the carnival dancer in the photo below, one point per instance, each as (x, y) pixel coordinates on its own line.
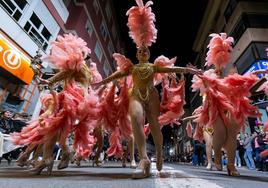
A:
(75, 108)
(144, 98)
(226, 105)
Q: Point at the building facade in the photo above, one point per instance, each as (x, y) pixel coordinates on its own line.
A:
(94, 21)
(29, 25)
(25, 26)
(246, 22)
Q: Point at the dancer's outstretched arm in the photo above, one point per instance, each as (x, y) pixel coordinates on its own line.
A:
(190, 118)
(60, 76)
(112, 77)
(177, 70)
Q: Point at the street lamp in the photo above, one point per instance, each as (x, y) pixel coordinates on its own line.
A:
(36, 64)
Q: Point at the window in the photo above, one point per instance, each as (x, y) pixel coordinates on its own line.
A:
(110, 48)
(14, 7)
(21, 3)
(106, 68)
(108, 11)
(98, 51)
(46, 33)
(89, 27)
(253, 52)
(38, 32)
(238, 31)
(103, 31)
(35, 20)
(96, 6)
(248, 20)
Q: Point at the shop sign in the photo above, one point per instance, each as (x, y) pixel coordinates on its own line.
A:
(14, 60)
(258, 65)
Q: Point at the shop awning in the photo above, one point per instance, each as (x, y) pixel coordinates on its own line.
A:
(14, 62)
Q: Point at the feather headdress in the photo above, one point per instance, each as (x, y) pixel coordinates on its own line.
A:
(141, 24)
(68, 52)
(220, 48)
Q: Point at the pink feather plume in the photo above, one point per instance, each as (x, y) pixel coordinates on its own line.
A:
(220, 48)
(141, 24)
(68, 52)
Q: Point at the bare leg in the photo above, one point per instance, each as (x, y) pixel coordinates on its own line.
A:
(219, 138)
(22, 161)
(137, 119)
(230, 147)
(65, 158)
(130, 146)
(152, 113)
(78, 160)
(38, 151)
(48, 157)
(136, 115)
(98, 134)
(208, 140)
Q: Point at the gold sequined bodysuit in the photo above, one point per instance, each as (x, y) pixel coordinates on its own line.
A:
(143, 75)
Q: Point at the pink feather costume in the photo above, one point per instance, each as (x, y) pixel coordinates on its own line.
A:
(225, 97)
(75, 109)
(29, 134)
(114, 116)
(143, 32)
(117, 120)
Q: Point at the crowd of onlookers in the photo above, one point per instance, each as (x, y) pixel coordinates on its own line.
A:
(248, 152)
(10, 122)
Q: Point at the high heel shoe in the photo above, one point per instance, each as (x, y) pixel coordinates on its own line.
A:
(209, 166)
(218, 166)
(133, 164)
(32, 162)
(232, 171)
(97, 163)
(42, 165)
(22, 161)
(143, 170)
(64, 162)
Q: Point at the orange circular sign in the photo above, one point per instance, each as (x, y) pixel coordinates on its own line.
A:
(12, 59)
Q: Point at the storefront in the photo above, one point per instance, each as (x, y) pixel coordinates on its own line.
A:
(15, 74)
(255, 58)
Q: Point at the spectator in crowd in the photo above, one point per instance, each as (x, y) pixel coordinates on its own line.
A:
(6, 122)
(198, 153)
(224, 158)
(248, 152)
(10, 123)
(237, 155)
(259, 145)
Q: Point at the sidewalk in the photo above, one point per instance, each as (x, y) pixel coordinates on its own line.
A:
(4, 163)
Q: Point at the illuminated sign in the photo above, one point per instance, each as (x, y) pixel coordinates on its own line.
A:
(260, 64)
(14, 60)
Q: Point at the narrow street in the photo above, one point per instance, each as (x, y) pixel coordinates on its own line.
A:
(113, 175)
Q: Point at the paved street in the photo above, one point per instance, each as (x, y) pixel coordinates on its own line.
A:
(112, 175)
